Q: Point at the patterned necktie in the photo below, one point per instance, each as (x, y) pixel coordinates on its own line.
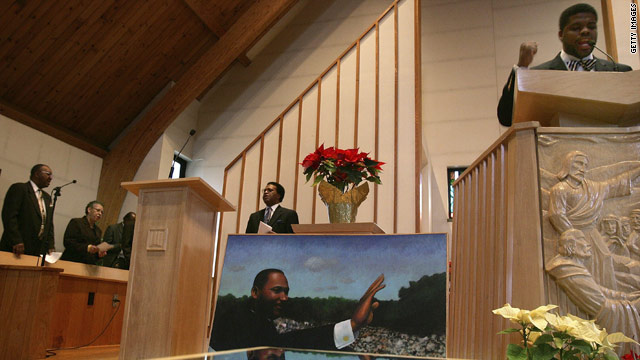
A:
(587, 65)
(267, 214)
(43, 213)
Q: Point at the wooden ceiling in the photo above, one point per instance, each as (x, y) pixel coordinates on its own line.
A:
(82, 70)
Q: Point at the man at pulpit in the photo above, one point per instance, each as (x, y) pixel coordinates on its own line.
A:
(578, 34)
(278, 217)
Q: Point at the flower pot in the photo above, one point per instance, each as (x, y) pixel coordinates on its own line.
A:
(342, 208)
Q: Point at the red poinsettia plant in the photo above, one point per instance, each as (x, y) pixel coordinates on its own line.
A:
(630, 356)
(344, 169)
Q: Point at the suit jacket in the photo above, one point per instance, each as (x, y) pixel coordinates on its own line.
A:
(77, 238)
(505, 105)
(22, 220)
(240, 327)
(280, 221)
(113, 236)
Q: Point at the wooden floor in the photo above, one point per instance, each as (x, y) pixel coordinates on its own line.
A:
(108, 352)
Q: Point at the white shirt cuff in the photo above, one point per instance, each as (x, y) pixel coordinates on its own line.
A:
(343, 334)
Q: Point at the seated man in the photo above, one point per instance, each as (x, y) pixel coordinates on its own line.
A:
(83, 234)
(578, 34)
(251, 324)
(274, 215)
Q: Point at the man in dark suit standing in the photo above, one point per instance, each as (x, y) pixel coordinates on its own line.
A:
(274, 215)
(25, 212)
(119, 255)
(578, 34)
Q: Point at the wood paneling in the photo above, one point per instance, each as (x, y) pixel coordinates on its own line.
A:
(76, 323)
(124, 159)
(496, 250)
(73, 321)
(391, 130)
(25, 309)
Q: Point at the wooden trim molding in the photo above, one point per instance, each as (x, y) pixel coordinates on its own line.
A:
(122, 163)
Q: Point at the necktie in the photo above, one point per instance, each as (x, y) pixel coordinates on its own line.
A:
(267, 214)
(43, 212)
(587, 65)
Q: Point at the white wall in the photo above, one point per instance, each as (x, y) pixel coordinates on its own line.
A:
(21, 147)
(157, 163)
(294, 53)
(622, 23)
(468, 48)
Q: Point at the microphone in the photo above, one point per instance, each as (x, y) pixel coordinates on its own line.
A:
(57, 188)
(175, 157)
(615, 66)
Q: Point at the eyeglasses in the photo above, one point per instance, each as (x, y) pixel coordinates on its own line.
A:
(47, 172)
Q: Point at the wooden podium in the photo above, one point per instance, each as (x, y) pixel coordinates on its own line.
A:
(27, 294)
(502, 236)
(577, 98)
(170, 278)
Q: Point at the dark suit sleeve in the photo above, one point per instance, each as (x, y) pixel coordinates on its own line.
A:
(505, 105)
(110, 237)
(73, 238)
(10, 212)
(252, 224)
(319, 338)
(293, 219)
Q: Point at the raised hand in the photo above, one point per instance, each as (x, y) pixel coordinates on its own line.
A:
(364, 312)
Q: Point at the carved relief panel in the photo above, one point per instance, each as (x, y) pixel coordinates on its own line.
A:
(590, 201)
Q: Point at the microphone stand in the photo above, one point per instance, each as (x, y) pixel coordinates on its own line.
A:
(615, 65)
(175, 157)
(49, 221)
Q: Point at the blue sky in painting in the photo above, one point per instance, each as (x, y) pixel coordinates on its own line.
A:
(343, 266)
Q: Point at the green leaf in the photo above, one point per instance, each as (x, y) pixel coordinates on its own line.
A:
(582, 345)
(543, 339)
(317, 180)
(515, 352)
(610, 354)
(543, 352)
(508, 331)
(559, 342)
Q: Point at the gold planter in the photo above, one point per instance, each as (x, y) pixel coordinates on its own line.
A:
(342, 208)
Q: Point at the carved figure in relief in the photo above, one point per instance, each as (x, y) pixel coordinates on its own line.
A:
(633, 242)
(576, 203)
(611, 309)
(611, 231)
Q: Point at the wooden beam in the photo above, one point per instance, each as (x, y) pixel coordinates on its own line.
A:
(609, 28)
(205, 12)
(125, 158)
(48, 127)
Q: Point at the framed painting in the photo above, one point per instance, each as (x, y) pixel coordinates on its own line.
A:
(394, 286)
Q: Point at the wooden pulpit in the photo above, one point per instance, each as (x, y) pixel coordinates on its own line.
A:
(170, 284)
(504, 242)
(27, 295)
(577, 98)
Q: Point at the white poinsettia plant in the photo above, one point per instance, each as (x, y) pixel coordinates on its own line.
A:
(548, 336)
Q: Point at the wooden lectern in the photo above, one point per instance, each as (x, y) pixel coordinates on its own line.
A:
(27, 294)
(170, 282)
(577, 98)
(502, 235)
